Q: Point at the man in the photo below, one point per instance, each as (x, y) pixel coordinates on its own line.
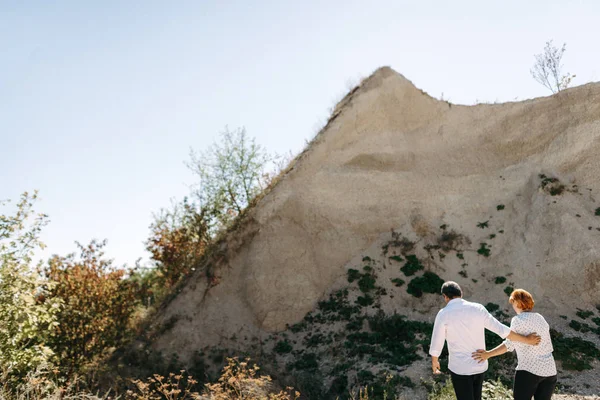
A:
(462, 324)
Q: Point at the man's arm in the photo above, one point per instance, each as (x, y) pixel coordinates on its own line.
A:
(532, 339)
(505, 332)
(437, 343)
(435, 365)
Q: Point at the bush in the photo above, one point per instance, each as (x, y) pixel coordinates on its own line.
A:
(484, 250)
(491, 391)
(366, 283)
(27, 316)
(98, 303)
(429, 282)
(283, 347)
(177, 242)
(574, 353)
(238, 380)
(412, 265)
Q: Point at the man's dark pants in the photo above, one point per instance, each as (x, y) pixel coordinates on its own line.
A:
(467, 387)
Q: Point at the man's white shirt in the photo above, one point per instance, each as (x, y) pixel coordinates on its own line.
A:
(462, 324)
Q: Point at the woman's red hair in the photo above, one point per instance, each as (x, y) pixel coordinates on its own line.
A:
(522, 299)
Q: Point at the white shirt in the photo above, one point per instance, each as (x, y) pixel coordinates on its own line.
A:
(462, 324)
(535, 359)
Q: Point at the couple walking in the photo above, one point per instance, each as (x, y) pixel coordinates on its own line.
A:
(462, 324)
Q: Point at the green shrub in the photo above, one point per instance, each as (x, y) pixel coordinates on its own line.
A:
(412, 265)
(491, 307)
(484, 250)
(366, 283)
(27, 317)
(365, 377)
(597, 212)
(508, 290)
(337, 307)
(283, 347)
(574, 353)
(398, 282)
(500, 207)
(353, 275)
(316, 339)
(429, 282)
(499, 280)
(307, 362)
(355, 324)
(441, 391)
(584, 314)
(339, 387)
(365, 301)
(492, 390)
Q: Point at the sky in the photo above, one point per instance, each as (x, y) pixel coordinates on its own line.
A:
(101, 102)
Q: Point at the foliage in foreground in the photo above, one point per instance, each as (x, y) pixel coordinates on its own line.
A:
(239, 380)
(26, 319)
(492, 390)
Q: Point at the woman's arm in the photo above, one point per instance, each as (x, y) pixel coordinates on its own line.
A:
(482, 355)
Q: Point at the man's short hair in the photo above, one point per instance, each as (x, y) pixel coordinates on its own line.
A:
(451, 289)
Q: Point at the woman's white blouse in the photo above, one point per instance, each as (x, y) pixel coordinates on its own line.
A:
(535, 359)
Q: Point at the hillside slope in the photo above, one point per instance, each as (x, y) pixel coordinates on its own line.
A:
(492, 196)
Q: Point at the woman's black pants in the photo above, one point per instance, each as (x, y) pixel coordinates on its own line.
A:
(528, 385)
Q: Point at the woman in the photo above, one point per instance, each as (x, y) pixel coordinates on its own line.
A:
(536, 370)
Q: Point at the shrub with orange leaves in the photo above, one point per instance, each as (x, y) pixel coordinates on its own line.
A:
(239, 381)
(98, 303)
(178, 240)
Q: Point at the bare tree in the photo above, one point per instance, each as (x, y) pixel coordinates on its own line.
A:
(547, 69)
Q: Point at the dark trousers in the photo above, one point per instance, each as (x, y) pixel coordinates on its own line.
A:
(467, 387)
(528, 385)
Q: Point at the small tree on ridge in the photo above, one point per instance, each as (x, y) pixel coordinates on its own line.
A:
(547, 69)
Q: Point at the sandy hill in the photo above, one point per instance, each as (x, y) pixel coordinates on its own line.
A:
(398, 191)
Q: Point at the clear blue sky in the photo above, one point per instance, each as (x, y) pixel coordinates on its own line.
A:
(101, 101)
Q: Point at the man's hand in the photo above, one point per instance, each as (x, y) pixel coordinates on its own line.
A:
(435, 366)
(533, 339)
(480, 355)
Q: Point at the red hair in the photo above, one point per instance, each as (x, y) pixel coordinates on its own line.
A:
(522, 299)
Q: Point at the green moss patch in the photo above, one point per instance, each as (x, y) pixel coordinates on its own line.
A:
(484, 250)
(574, 353)
(429, 282)
(412, 265)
